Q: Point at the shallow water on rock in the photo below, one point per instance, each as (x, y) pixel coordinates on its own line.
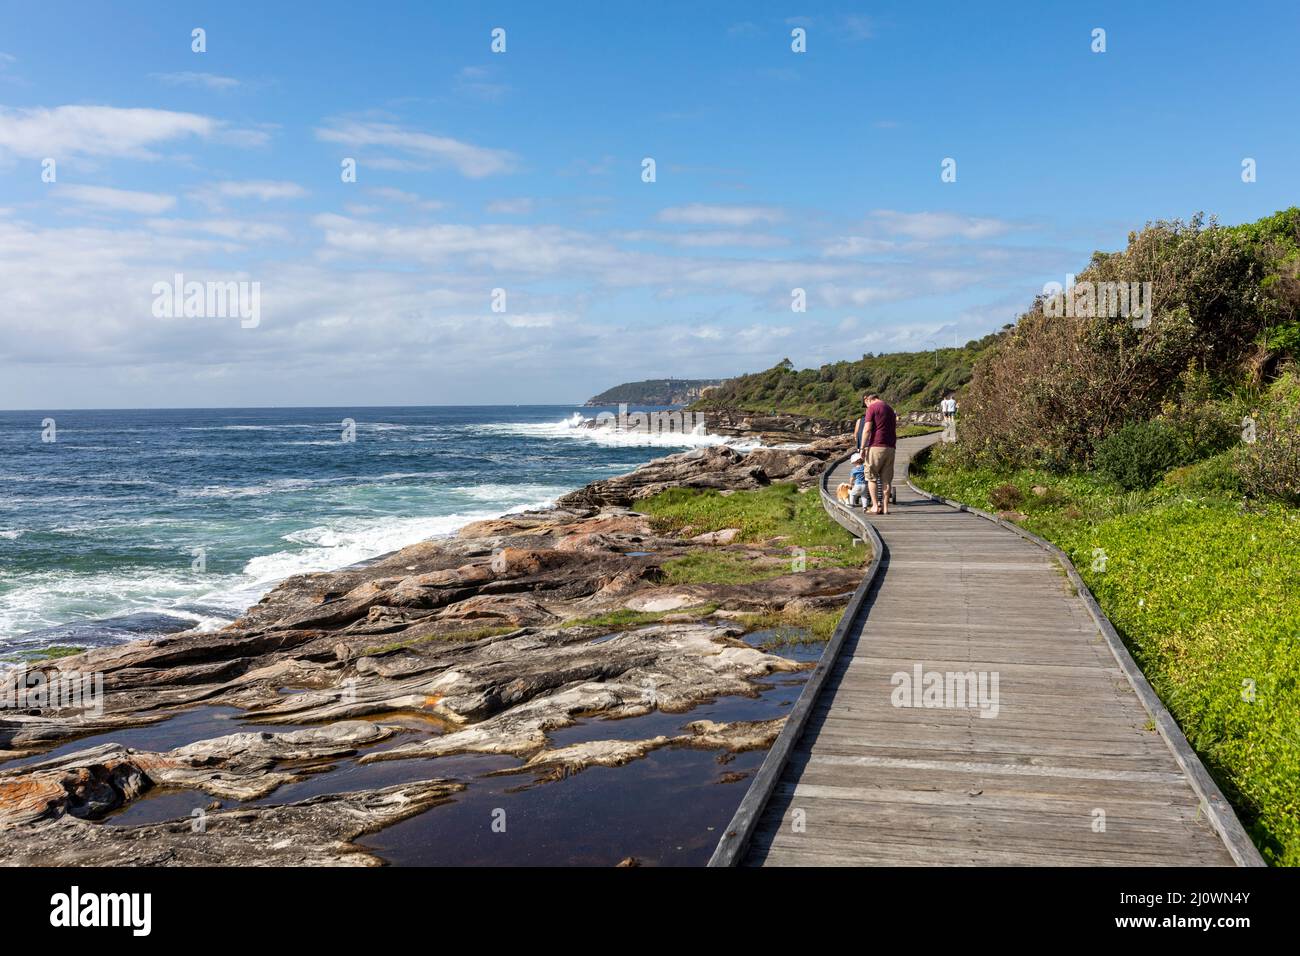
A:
(186, 727)
(666, 808)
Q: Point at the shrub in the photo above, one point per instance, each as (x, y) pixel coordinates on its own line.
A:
(1214, 477)
(1005, 497)
(1203, 423)
(1046, 496)
(1269, 467)
(1138, 454)
(1056, 384)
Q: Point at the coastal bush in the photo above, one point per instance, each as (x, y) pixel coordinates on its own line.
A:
(1203, 420)
(1138, 454)
(909, 381)
(1214, 477)
(1056, 384)
(1269, 466)
(1207, 597)
(1005, 497)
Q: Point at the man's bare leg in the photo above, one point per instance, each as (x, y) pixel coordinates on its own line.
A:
(884, 502)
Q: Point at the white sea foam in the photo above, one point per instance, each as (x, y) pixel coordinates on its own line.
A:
(57, 598)
(574, 427)
(329, 547)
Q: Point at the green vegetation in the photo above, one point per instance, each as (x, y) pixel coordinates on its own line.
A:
(778, 514)
(1206, 594)
(794, 627)
(654, 391)
(915, 431)
(1138, 454)
(1164, 459)
(909, 381)
(1225, 308)
(47, 653)
(724, 567)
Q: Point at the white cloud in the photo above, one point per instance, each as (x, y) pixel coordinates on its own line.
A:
(263, 189)
(707, 238)
(469, 160)
(705, 214)
(209, 81)
(510, 207)
(233, 229)
(402, 196)
(96, 131)
(855, 246)
(938, 225)
(505, 248)
(530, 320)
(122, 200)
(477, 81)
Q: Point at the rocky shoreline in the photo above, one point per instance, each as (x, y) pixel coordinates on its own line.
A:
(488, 642)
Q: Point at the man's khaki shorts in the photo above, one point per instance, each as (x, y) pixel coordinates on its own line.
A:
(880, 463)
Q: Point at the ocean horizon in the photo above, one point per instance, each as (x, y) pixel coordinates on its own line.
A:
(122, 523)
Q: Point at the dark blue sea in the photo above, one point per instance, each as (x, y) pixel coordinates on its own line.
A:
(131, 523)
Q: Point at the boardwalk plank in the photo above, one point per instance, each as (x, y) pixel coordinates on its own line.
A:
(883, 785)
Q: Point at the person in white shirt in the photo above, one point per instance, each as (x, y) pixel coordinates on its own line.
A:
(949, 408)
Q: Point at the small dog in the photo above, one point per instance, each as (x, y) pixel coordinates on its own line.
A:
(843, 490)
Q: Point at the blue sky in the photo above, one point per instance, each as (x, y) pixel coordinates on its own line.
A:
(522, 171)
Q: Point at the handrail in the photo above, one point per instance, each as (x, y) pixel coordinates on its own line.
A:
(736, 837)
(1222, 817)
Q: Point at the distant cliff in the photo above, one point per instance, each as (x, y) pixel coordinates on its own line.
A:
(656, 391)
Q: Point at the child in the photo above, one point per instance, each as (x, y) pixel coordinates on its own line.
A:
(858, 479)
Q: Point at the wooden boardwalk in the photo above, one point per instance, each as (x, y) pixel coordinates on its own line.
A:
(1069, 769)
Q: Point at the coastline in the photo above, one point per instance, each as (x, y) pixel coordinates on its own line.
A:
(211, 607)
(548, 644)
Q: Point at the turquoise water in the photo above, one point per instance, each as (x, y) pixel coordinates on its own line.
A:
(150, 521)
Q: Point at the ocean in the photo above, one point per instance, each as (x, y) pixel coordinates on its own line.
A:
(120, 524)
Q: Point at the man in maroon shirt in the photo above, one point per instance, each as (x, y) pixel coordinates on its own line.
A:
(876, 437)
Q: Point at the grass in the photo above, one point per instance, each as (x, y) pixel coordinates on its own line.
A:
(794, 627)
(915, 431)
(1206, 593)
(778, 511)
(723, 567)
(778, 516)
